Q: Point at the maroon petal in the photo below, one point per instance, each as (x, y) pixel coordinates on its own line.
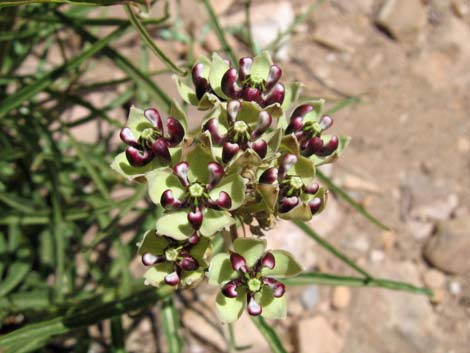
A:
(276, 95)
(277, 287)
(195, 218)
(275, 73)
(269, 176)
(229, 150)
(312, 146)
(295, 124)
(288, 203)
(229, 84)
(325, 122)
(154, 117)
(160, 149)
(188, 263)
(315, 205)
(181, 171)
(230, 289)
(244, 65)
(268, 261)
(287, 162)
(260, 147)
(172, 279)
(200, 83)
(168, 200)
(233, 107)
(193, 239)
(329, 148)
(301, 111)
(264, 122)
(149, 259)
(212, 125)
(216, 172)
(138, 158)
(238, 262)
(175, 131)
(254, 309)
(224, 200)
(128, 137)
(251, 94)
(312, 189)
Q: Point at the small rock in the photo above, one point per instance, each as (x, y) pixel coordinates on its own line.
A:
(341, 297)
(460, 8)
(440, 294)
(449, 249)
(389, 239)
(420, 230)
(455, 288)
(440, 209)
(403, 19)
(434, 279)
(353, 182)
(360, 244)
(315, 335)
(376, 255)
(310, 297)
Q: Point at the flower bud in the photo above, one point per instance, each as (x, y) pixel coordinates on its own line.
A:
(312, 189)
(233, 107)
(238, 262)
(195, 218)
(160, 149)
(175, 131)
(154, 117)
(277, 287)
(230, 289)
(251, 94)
(201, 84)
(329, 148)
(216, 172)
(244, 67)
(172, 279)
(188, 263)
(128, 137)
(260, 147)
(268, 261)
(149, 259)
(301, 111)
(264, 122)
(181, 171)
(229, 150)
(274, 75)
(269, 176)
(254, 309)
(138, 158)
(276, 95)
(193, 239)
(315, 205)
(229, 84)
(288, 203)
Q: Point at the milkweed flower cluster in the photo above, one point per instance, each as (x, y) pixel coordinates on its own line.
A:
(251, 162)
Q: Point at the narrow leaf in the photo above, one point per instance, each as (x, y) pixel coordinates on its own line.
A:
(269, 334)
(171, 326)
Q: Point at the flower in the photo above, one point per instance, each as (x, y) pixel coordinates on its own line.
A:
(173, 262)
(149, 144)
(256, 80)
(248, 277)
(290, 188)
(196, 194)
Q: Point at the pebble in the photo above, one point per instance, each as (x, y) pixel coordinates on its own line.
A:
(455, 288)
(310, 297)
(449, 249)
(434, 279)
(376, 255)
(341, 297)
(403, 19)
(420, 230)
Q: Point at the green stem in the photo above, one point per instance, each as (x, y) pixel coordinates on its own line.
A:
(150, 43)
(219, 32)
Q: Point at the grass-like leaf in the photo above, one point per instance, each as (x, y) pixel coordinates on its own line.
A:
(72, 2)
(269, 334)
(171, 326)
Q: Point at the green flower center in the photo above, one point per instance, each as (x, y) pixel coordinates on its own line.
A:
(171, 254)
(148, 133)
(240, 126)
(296, 182)
(196, 190)
(313, 127)
(255, 81)
(254, 284)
